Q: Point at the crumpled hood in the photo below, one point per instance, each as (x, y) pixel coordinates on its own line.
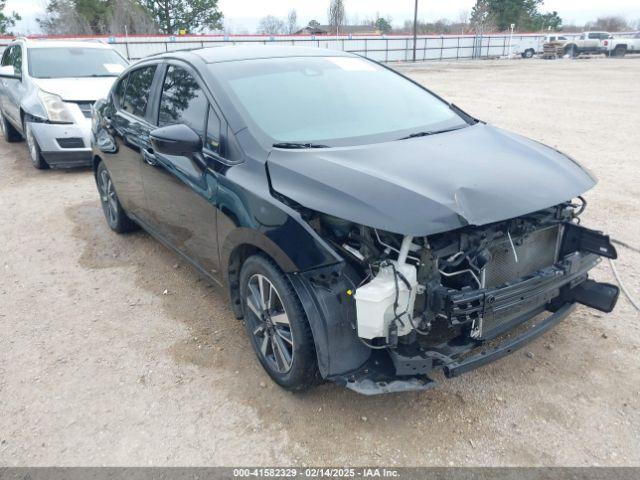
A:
(76, 89)
(421, 186)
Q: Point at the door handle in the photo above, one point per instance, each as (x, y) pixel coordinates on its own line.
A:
(149, 157)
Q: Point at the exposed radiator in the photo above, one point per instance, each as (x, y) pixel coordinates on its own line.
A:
(536, 250)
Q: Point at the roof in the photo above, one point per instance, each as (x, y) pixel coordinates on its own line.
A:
(232, 53)
(42, 43)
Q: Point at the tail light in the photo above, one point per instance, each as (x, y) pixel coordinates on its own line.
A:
(606, 42)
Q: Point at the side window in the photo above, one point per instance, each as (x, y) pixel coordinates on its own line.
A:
(6, 57)
(118, 92)
(594, 36)
(136, 95)
(17, 59)
(182, 101)
(212, 141)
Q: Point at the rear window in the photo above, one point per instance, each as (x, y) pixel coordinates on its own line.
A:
(74, 62)
(136, 97)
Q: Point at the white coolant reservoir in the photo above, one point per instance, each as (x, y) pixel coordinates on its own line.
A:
(374, 301)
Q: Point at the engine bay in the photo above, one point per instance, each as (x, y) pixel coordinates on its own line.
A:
(420, 291)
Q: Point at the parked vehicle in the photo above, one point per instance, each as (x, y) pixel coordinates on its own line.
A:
(47, 89)
(620, 46)
(358, 220)
(526, 47)
(588, 42)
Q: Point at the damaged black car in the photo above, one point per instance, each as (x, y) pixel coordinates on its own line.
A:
(368, 231)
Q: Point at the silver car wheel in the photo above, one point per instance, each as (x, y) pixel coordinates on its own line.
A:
(270, 323)
(108, 197)
(31, 144)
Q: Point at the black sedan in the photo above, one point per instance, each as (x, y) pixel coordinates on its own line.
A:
(368, 231)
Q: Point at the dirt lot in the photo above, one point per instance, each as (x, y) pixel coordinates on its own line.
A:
(98, 366)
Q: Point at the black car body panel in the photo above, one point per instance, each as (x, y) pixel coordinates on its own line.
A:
(327, 217)
(471, 176)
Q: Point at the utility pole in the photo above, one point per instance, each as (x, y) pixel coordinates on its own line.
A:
(415, 30)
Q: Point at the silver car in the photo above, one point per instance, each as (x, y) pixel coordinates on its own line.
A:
(47, 91)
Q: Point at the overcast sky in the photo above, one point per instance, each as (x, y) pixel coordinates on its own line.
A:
(236, 11)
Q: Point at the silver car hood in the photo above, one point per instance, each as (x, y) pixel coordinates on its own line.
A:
(421, 186)
(76, 89)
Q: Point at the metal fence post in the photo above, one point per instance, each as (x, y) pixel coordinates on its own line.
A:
(126, 47)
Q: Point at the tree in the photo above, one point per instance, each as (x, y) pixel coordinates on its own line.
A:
(314, 24)
(292, 22)
(545, 20)
(7, 20)
(383, 25)
(482, 19)
(523, 14)
(190, 15)
(608, 24)
(271, 25)
(87, 17)
(336, 15)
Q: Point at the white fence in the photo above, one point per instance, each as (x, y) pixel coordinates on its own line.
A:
(385, 48)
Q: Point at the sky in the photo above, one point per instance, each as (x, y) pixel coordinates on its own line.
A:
(235, 11)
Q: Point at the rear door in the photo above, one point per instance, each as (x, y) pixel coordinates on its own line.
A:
(130, 126)
(181, 192)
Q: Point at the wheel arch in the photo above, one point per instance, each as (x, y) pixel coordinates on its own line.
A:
(240, 245)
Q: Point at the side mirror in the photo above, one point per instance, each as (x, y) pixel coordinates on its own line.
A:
(178, 140)
(7, 71)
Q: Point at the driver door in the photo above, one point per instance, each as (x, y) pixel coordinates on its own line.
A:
(181, 191)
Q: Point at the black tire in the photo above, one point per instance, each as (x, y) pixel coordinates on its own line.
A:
(275, 340)
(115, 215)
(33, 148)
(528, 53)
(571, 50)
(620, 51)
(9, 132)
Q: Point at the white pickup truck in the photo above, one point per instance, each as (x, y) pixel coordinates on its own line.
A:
(620, 46)
(588, 42)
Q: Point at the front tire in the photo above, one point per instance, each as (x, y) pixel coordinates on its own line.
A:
(528, 53)
(277, 325)
(35, 154)
(115, 215)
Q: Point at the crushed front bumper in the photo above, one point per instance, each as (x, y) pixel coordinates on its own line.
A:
(556, 289)
(64, 145)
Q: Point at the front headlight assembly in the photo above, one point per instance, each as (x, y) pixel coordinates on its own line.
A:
(56, 108)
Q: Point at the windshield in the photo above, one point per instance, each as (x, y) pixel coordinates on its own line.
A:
(331, 100)
(67, 62)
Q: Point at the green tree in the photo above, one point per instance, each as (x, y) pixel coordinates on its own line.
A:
(190, 15)
(383, 25)
(79, 17)
(523, 14)
(7, 20)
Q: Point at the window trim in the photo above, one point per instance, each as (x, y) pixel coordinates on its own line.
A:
(150, 97)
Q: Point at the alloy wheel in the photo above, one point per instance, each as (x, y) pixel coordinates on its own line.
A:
(108, 197)
(270, 323)
(31, 144)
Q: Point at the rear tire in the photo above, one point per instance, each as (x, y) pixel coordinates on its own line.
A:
(277, 325)
(33, 148)
(620, 51)
(115, 215)
(9, 132)
(528, 53)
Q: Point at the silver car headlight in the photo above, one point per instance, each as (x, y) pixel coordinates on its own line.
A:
(56, 108)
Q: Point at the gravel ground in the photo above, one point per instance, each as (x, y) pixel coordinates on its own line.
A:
(115, 352)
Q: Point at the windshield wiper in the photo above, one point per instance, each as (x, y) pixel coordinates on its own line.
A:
(294, 145)
(426, 133)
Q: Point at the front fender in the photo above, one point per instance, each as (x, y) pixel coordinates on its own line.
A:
(32, 106)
